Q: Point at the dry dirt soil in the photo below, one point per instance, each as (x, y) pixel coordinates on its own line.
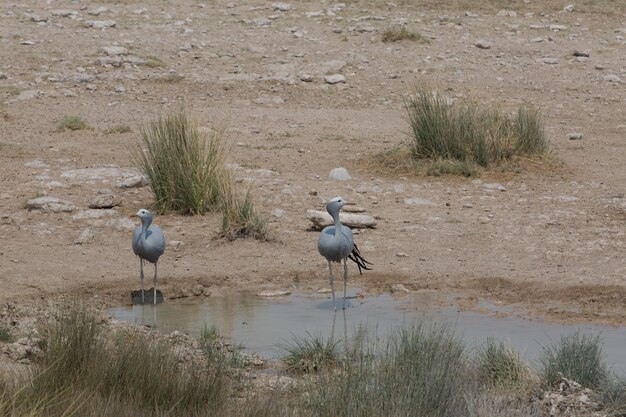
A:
(551, 239)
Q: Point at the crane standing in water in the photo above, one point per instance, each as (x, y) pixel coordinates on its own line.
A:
(336, 244)
(149, 244)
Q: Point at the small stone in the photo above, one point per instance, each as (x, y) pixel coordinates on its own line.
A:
(339, 174)
(494, 186)
(399, 289)
(278, 212)
(273, 293)
(265, 100)
(104, 201)
(120, 89)
(262, 21)
(28, 95)
(197, 290)
(85, 236)
(547, 60)
(612, 78)
(537, 39)
(79, 77)
(96, 12)
(569, 8)
(134, 182)
(335, 79)
(417, 202)
(305, 77)
(314, 14)
(574, 136)
(351, 208)
(580, 53)
(100, 24)
(557, 28)
(114, 50)
(50, 204)
(3, 76)
(402, 255)
(467, 205)
(283, 7)
(481, 44)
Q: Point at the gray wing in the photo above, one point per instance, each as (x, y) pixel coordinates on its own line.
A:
(333, 248)
(154, 245)
(135, 241)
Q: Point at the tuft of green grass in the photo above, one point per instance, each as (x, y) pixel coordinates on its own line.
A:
(399, 33)
(121, 128)
(311, 354)
(500, 366)
(5, 334)
(186, 169)
(155, 62)
(612, 396)
(240, 218)
(72, 123)
(466, 131)
(85, 364)
(576, 357)
(422, 371)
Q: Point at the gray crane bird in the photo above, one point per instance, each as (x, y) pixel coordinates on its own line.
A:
(148, 244)
(336, 244)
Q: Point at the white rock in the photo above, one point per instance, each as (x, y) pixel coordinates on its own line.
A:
(283, 7)
(574, 136)
(494, 186)
(79, 77)
(262, 21)
(305, 76)
(612, 78)
(278, 212)
(96, 12)
(417, 202)
(134, 182)
(481, 44)
(100, 24)
(557, 28)
(50, 204)
(104, 201)
(547, 60)
(335, 79)
(314, 14)
(321, 219)
(28, 95)
(273, 293)
(265, 100)
(85, 236)
(399, 289)
(114, 50)
(569, 8)
(339, 174)
(351, 208)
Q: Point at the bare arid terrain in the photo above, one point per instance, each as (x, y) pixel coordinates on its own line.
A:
(547, 237)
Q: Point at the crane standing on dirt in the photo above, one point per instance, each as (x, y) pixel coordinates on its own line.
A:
(336, 244)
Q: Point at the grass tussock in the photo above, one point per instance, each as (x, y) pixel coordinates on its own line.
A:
(187, 171)
(422, 371)
(121, 128)
(400, 33)
(72, 123)
(576, 357)
(500, 366)
(612, 396)
(5, 334)
(468, 132)
(311, 354)
(87, 370)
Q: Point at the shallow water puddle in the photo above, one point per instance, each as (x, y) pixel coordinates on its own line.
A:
(262, 324)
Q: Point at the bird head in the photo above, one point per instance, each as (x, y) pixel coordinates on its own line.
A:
(144, 215)
(335, 204)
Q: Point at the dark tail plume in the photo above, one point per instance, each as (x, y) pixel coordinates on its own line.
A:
(359, 260)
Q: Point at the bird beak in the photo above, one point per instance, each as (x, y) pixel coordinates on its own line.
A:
(133, 215)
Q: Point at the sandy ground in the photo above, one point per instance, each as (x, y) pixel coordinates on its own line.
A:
(552, 240)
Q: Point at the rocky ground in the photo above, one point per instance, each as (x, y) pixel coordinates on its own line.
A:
(301, 88)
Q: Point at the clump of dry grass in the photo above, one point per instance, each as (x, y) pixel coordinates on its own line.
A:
(187, 171)
(121, 128)
(399, 33)
(72, 123)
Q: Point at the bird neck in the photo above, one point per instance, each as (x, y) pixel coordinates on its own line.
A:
(335, 216)
(144, 229)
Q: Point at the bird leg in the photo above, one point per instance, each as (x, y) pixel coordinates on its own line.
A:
(345, 280)
(332, 284)
(141, 275)
(155, 282)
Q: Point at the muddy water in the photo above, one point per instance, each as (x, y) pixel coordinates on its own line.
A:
(262, 324)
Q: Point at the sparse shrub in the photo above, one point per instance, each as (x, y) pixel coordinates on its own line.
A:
(123, 128)
(127, 373)
(576, 357)
(72, 123)
(422, 372)
(500, 366)
(444, 167)
(464, 131)
(185, 168)
(240, 219)
(612, 396)
(398, 33)
(311, 354)
(5, 334)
